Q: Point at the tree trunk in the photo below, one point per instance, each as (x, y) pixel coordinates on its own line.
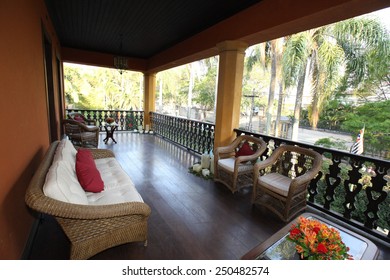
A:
(314, 112)
(298, 102)
(278, 63)
(190, 88)
(315, 78)
(272, 86)
(160, 99)
(279, 113)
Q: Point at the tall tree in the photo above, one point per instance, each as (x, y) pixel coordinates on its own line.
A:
(295, 70)
(359, 45)
(366, 44)
(276, 54)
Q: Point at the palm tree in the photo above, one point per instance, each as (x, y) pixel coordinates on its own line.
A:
(276, 76)
(359, 45)
(325, 71)
(278, 54)
(270, 53)
(295, 63)
(366, 44)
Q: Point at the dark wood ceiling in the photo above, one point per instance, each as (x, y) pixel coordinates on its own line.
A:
(136, 28)
(156, 35)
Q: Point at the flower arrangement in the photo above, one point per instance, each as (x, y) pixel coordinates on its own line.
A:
(316, 241)
(109, 120)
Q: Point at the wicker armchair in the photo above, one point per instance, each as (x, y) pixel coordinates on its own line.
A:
(80, 117)
(237, 172)
(81, 134)
(90, 229)
(280, 182)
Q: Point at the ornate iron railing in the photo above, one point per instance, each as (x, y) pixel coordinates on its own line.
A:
(352, 188)
(194, 135)
(126, 120)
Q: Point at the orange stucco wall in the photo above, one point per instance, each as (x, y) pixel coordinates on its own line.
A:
(23, 113)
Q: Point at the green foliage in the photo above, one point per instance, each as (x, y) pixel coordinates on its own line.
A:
(204, 91)
(375, 116)
(361, 200)
(332, 116)
(88, 87)
(331, 143)
(366, 44)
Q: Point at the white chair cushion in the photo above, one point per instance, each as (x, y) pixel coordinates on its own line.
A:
(62, 184)
(66, 152)
(118, 187)
(276, 182)
(228, 164)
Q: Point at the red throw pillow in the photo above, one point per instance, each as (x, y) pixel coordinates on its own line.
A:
(87, 173)
(78, 119)
(245, 150)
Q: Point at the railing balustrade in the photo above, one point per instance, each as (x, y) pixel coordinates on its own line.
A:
(352, 188)
(126, 120)
(194, 135)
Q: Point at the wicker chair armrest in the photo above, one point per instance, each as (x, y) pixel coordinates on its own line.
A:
(305, 178)
(225, 151)
(89, 128)
(83, 126)
(265, 163)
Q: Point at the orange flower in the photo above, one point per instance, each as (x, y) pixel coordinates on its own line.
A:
(315, 240)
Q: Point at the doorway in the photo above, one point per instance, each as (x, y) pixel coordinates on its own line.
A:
(48, 56)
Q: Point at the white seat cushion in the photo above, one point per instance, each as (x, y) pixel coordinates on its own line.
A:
(118, 187)
(62, 184)
(276, 182)
(66, 152)
(228, 164)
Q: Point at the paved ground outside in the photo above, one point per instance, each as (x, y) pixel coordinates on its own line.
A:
(308, 136)
(311, 136)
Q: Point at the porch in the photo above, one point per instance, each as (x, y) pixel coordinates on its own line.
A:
(191, 218)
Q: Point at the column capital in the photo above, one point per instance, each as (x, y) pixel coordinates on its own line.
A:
(239, 46)
(149, 74)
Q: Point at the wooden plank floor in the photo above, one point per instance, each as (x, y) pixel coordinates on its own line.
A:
(192, 218)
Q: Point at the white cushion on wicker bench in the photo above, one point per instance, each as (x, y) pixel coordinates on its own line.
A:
(62, 183)
(118, 186)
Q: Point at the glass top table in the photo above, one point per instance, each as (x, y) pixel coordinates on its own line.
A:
(278, 247)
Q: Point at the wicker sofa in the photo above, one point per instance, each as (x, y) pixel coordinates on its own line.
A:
(93, 222)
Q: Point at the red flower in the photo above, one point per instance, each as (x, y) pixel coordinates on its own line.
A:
(295, 232)
(321, 248)
(316, 230)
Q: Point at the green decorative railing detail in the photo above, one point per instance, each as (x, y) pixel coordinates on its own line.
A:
(126, 120)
